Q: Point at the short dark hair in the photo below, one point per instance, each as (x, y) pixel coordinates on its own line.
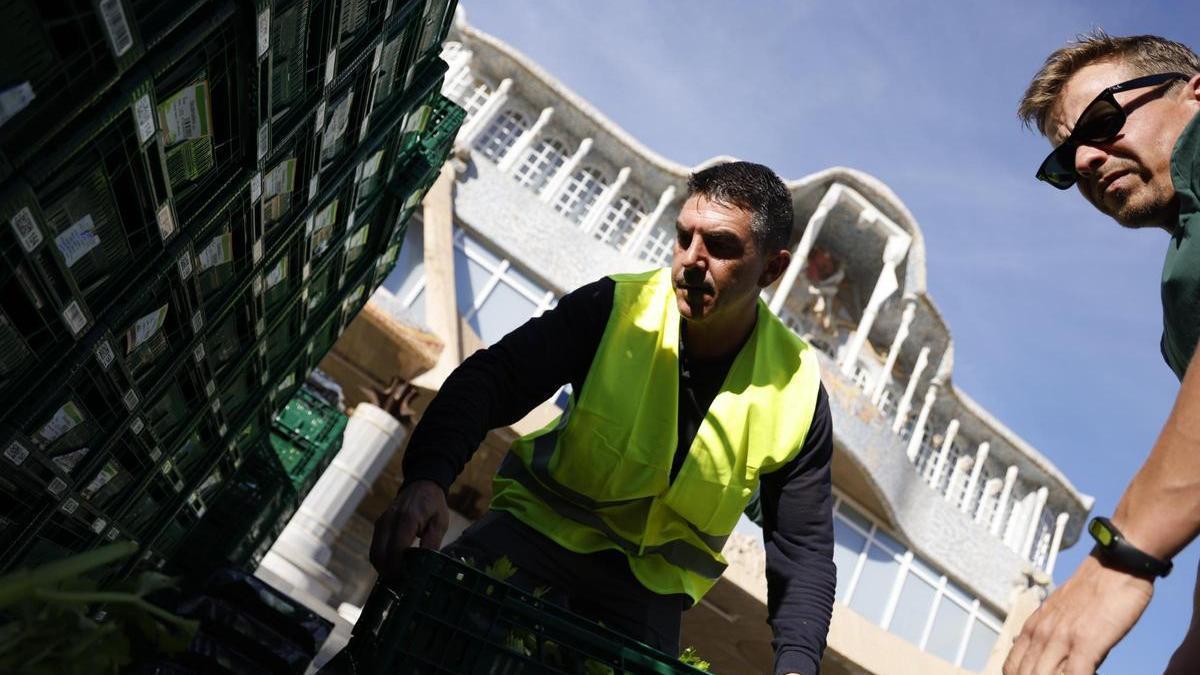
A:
(1142, 54)
(754, 188)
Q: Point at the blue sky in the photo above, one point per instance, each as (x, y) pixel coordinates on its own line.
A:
(1054, 309)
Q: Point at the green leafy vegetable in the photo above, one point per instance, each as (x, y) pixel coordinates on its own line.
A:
(691, 658)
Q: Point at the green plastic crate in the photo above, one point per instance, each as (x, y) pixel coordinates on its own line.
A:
(305, 436)
(442, 616)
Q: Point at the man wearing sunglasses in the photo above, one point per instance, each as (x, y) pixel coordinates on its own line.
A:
(1121, 113)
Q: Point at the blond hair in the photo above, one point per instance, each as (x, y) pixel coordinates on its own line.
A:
(1142, 54)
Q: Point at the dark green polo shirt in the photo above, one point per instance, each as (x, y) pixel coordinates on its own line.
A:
(1181, 269)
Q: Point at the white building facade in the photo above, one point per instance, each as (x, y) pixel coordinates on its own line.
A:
(944, 516)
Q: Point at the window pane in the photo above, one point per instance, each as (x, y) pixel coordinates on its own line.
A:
(847, 544)
(874, 584)
(888, 541)
(912, 610)
(504, 310)
(979, 647)
(470, 278)
(853, 515)
(947, 630)
(410, 263)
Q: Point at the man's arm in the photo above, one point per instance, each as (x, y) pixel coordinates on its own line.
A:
(797, 508)
(493, 387)
(1160, 514)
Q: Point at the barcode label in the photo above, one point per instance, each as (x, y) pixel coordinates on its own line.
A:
(198, 353)
(137, 425)
(263, 380)
(320, 125)
(166, 222)
(16, 453)
(56, 486)
(185, 266)
(313, 184)
(26, 229)
(74, 318)
(143, 116)
(155, 453)
(131, 400)
(118, 29)
(255, 187)
(259, 328)
(104, 354)
(99, 525)
(215, 406)
(68, 507)
(264, 31)
(112, 534)
(222, 430)
(307, 271)
(210, 388)
(197, 322)
(331, 66)
(258, 284)
(264, 139)
(262, 351)
(166, 469)
(257, 251)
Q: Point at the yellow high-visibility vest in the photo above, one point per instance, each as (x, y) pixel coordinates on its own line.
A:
(598, 477)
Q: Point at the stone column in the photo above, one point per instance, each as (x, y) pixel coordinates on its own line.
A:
(517, 151)
(441, 303)
(905, 403)
(1060, 526)
(804, 246)
(885, 375)
(592, 219)
(954, 486)
(1010, 478)
(648, 223)
(944, 453)
(475, 126)
(990, 490)
(1014, 532)
(981, 456)
(885, 286)
(564, 172)
(914, 442)
(1035, 518)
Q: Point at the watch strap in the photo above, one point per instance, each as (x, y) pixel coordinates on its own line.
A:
(1114, 549)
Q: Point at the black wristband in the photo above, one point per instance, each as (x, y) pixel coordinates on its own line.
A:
(1116, 551)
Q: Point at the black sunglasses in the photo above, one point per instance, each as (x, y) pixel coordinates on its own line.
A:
(1100, 121)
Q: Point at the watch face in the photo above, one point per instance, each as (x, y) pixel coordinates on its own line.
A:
(1101, 533)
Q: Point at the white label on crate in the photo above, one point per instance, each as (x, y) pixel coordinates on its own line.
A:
(313, 184)
(264, 31)
(362, 130)
(222, 430)
(339, 120)
(104, 353)
(118, 28)
(262, 351)
(307, 272)
(137, 425)
(371, 166)
(264, 139)
(99, 525)
(262, 381)
(281, 179)
(185, 265)
(74, 318)
(112, 534)
(26, 229)
(286, 382)
(56, 486)
(166, 468)
(77, 240)
(215, 406)
(144, 328)
(359, 239)
(70, 460)
(256, 186)
(198, 353)
(155, 453)
(375, 58)
(330, 65)
(277, 274)
(65, 419)
(186, 114)
(15, 99)
(197, 322)
(16, 453)
(210, 388)
(256, 252)
(259, 327)
(219, 251)
(166, 222)
(143, 115)
(257, 286)
(69, 505)
(103, 477)
(319, 126)
(308, 226)
(130, 399)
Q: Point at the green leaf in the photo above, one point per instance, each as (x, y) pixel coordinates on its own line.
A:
(501, 570)
(691, 658)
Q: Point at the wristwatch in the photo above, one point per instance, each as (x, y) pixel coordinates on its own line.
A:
(1113, 549)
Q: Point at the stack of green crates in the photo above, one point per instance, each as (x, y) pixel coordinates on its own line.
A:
(199, 195)
(305, 436)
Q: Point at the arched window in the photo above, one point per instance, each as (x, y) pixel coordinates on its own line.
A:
(658, 247)
(620, 221)
(543, 161)
(580, 193)
(501, 133)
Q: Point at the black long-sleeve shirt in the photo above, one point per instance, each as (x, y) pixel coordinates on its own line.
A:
(499, 385)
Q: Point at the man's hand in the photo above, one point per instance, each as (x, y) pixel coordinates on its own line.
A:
(1079, 623)
(418, 511)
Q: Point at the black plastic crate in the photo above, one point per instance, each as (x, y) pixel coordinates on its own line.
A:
(204, 113)
(284, 335)
(120, 468)
(434, 24)
(69, 528)
(56, 58)
(341, 118)
(173, 405)
(291, 46)
(228, 248)
(22, 500)
(356, 27)
(158, 19)
(283, 277)
(235, 331)
(245, 383)
(287, 178)
(159, 494)
(440, 615)
(324, 227)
